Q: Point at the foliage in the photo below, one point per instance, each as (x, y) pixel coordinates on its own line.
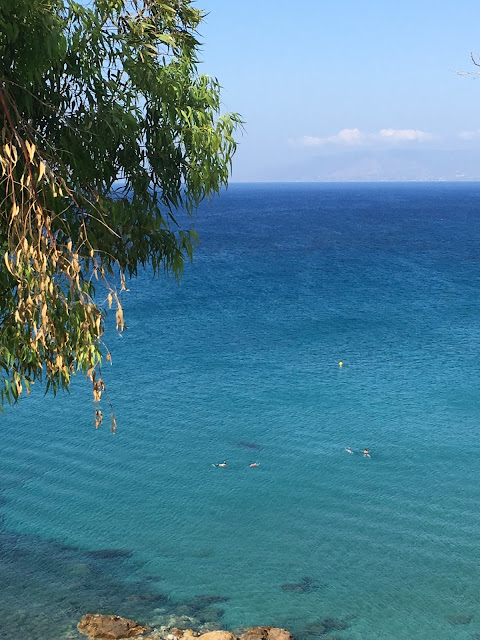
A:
(107, 129)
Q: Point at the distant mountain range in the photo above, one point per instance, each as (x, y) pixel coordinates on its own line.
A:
(386, 165)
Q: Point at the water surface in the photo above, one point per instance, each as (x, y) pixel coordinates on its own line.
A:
(288, 281)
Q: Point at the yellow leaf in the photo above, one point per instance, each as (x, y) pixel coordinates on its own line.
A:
(119, 318)
(31, 149)
(7, 261)
(122, 282)
(41, 171)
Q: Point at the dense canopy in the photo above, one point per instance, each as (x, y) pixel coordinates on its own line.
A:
(107, 129)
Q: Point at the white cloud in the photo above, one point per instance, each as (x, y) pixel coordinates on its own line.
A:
(355, 137)
(345, 136)
(469, 135)
(404, 135)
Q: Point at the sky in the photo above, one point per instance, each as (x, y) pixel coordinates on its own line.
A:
(348, 90)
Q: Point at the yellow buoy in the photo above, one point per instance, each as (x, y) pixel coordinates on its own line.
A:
(340, 364)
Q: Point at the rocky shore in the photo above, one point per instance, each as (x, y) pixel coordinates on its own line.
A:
(108, 627)
(104, 627)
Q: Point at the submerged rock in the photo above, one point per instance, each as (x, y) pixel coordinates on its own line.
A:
(209, 626)
(175, 634)
(200, 611)
(202, 601)
(306, 585)
(79, 569)
(181, 622)
(249, 445)
(320, 627)
(110, 554)
(201, 614)
(459, 619)
(96, 625)
(313, 630)
(334, 624)
(148, 598)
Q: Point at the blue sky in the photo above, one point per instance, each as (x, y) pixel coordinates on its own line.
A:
(367, 81)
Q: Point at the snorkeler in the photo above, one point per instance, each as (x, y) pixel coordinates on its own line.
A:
(254, 464)
(366, 453)
(221, 464)
(348, 450)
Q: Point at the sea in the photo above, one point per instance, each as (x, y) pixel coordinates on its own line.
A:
(240, 362)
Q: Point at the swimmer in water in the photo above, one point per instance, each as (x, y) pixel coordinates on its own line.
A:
(366, 453)
(348, 450)
(222, 464)
(254, 464)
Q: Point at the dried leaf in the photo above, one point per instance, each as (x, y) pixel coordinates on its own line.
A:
(41, 171)
(119, 318)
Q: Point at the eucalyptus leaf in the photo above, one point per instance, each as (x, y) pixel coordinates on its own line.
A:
(107, 129)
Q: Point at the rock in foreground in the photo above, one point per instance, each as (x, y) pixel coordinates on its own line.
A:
(96, 625)
(104, 627)
(217, 635)
(266, 633)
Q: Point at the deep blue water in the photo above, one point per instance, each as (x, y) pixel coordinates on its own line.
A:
(288, 281)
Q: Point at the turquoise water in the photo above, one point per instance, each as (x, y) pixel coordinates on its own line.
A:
(288, 281)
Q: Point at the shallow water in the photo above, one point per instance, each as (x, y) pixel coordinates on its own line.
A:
(288, 281)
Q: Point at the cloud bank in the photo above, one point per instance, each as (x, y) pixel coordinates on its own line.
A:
(355, 137)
